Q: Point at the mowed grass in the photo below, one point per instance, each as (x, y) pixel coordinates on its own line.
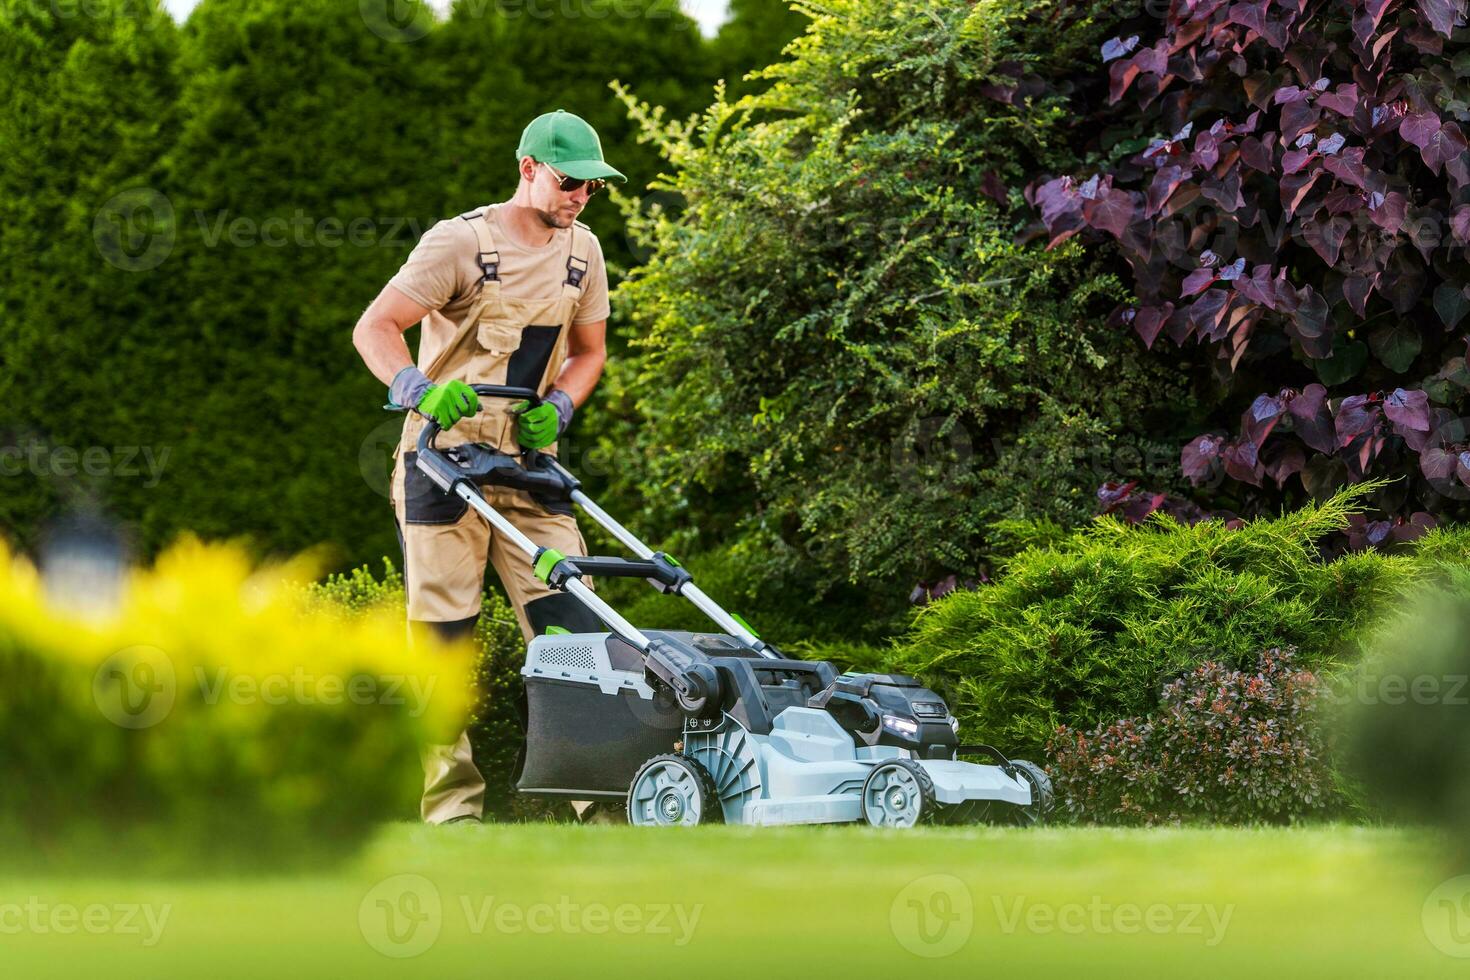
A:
(606, 901)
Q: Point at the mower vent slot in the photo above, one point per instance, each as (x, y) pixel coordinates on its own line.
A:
(580, 657)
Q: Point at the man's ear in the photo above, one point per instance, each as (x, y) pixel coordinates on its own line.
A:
(528, 169)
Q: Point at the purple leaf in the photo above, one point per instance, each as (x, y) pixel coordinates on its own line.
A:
(1355, 416)
(1197, 282)
(1208, 313)
(1365, 21)
(1356, 290)
(1419, 128)
(1344, 101)
(1258, 420)
(1298, 117)
(1286, 462)
(1150, 320)
(1347, 166)
(1242, 462)
(1460, 223)
(1295, 187)
(1443, 146)
(1326, 237)
(1197, 459)
(1331, 144)
(1257, 154)
(1233, 271)
(1409, 409)
(1310, 419)
(1119, 47)
(1443, 15)
(1391, 212)
(1166, 179)
(1310, 315)
(1112, 211)
(1057, 197)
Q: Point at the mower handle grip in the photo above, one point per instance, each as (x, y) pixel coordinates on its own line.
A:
(431, 428)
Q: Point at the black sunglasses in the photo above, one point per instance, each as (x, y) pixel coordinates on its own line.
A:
(569, 184)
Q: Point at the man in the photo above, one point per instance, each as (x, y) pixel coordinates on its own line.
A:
(511, 294)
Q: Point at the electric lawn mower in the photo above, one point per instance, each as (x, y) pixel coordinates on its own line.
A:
(693, 728)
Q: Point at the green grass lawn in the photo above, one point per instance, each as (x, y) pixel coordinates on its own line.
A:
(555, 900)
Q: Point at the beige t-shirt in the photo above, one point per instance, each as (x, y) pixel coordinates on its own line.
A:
(442, 274)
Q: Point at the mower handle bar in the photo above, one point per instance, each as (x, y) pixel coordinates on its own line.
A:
(575, 586)
(431, 428)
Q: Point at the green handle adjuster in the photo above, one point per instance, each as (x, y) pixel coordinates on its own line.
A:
(547, 561)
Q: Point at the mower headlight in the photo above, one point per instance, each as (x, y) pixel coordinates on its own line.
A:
(901, 726)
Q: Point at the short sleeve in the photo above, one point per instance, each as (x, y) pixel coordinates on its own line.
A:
(593, 305)
(433, 274)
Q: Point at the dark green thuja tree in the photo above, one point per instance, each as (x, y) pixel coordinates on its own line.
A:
(82, 226)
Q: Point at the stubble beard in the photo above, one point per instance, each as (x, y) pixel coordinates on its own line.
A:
(553, 219)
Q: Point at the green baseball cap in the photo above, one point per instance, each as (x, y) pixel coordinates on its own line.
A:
(567, 143)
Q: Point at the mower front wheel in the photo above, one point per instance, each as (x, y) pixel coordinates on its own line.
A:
(672, 791)
(1042, 799)
(898, 793)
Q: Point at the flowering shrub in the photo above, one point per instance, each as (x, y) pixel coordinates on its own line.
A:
(216, 717)
(1225, 746)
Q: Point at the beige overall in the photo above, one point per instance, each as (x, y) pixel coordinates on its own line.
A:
(445, 543)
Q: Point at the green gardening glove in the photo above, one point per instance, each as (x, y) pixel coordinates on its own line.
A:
(539, 427)
(446, 404)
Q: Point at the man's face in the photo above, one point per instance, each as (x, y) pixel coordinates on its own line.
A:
(555, 207)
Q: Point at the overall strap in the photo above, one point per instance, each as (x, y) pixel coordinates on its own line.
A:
(577, 251)
(487, 257)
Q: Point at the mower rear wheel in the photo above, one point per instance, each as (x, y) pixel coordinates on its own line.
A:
(898, 793)
(672, 790)
(1042, 799)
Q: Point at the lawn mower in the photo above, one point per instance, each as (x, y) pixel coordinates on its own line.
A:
(691, 728)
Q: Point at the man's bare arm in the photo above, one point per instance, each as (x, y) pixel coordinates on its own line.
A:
(586, 355)
(378, 335)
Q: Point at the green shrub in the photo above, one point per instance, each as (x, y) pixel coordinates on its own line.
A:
(1408, 709)
(1084, 632)
(1224, 746)
(216, 719)
(843, 344)
(500, 651)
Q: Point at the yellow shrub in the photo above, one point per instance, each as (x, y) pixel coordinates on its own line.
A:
(219, 716)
